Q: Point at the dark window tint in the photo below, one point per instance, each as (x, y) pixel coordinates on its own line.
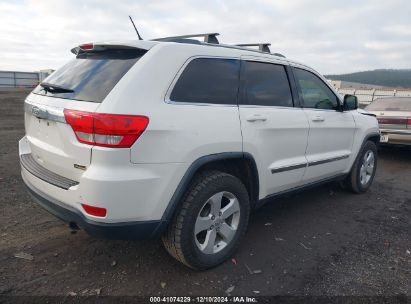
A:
(315, 93)
(266, 84)
(390, 104)
(92, 75)
(208, 80)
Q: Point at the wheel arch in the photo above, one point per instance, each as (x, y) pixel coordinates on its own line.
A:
(374, 137)
(226, 162)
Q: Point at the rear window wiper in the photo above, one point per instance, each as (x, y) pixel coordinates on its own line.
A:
(53, 88)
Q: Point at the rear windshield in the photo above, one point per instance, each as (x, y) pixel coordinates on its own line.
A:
(390, 104)
(92, 75)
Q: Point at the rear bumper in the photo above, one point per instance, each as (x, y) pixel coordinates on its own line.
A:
(129, 192)
(27, 161)
(397, 137)
(123, 231)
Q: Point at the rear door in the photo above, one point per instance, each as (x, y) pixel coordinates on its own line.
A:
(82, 84)
(332, 131)
(273, 130)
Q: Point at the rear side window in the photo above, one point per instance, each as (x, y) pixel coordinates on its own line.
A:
(92, 75)
(208, 80)
(266, 84)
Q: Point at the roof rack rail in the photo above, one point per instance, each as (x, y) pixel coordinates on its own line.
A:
(279, 55)
(208, 37)
(262, 47)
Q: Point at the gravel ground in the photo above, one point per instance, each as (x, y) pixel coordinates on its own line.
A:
(324, 241)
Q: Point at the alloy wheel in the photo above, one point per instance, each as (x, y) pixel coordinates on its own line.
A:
(217, 222)
(367, 167)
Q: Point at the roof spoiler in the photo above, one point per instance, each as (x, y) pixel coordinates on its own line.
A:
(88, 47)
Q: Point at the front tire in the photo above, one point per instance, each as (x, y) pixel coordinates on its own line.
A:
(208, 228)
(364, 168)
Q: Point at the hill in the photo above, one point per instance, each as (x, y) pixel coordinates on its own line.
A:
(383, 77)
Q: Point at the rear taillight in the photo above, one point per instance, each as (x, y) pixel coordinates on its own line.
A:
(392, 120)
(106, 130)
(409, 122)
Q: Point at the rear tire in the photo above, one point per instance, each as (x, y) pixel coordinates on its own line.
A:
(364, 168)
(213, 218)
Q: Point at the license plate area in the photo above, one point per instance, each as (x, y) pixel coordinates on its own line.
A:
(43, 127)
(384, 138)
(44, 130)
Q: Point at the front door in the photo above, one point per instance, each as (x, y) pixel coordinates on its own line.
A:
(331, 130)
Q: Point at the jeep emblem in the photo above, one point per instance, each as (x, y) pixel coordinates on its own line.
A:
(35, 111)
(39, 113)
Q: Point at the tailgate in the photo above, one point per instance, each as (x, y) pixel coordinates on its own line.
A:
(82, 84)
(52, 141)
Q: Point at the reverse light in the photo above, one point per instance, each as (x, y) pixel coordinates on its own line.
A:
(106, 130)
(94, 211)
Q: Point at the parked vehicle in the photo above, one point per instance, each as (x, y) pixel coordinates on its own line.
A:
(394, 118)
(181, 139)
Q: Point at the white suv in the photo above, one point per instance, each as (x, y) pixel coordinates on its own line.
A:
(181, 139)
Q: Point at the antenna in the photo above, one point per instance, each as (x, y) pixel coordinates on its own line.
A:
(139, 37)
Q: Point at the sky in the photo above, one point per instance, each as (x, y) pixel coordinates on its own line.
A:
(331, 36)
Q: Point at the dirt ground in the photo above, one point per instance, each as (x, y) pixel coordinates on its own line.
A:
(324, 241)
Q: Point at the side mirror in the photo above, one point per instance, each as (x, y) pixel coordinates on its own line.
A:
(350, 103)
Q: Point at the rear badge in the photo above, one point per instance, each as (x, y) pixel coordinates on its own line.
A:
(39, 113)
(35, 111)
(81, 167)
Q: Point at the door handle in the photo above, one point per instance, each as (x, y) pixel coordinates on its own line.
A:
(256, 117)
(318, 118)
